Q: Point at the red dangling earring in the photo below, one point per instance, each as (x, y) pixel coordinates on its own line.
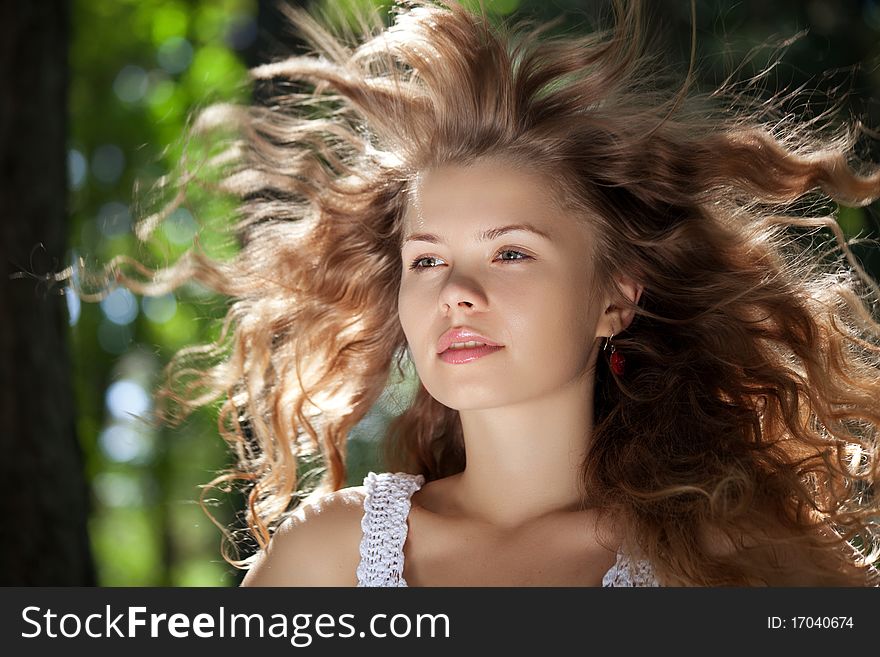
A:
(618, 362)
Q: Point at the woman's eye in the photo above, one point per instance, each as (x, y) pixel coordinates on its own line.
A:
(522, 256)
(429, 262)
(415, 264)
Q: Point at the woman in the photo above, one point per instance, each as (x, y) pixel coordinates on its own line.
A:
(630, 371)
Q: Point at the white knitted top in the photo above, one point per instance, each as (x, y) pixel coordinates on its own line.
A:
(386, 509)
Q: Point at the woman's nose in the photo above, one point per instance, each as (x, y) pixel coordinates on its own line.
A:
(460, 292)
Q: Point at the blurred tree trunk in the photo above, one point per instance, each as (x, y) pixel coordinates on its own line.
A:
(44, 507)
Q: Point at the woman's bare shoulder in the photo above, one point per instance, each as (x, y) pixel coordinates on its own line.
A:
(318, 545)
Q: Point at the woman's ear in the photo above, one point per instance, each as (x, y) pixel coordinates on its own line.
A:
(616, 318)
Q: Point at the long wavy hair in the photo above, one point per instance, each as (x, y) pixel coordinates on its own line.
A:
(750, 409)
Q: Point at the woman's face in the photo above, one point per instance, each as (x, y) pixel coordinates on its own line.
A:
(471, 263)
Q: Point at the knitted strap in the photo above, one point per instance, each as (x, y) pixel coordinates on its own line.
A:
(630, 572)
(386, 508)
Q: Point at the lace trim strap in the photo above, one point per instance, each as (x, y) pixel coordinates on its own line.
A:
(386, 508)
(627, 571)
(384, 525)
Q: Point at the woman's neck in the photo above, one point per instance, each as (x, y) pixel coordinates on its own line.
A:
(524, 461)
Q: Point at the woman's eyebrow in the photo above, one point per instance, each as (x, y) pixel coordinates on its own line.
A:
(484, 236)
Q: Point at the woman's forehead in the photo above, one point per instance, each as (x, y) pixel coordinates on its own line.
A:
(488, 189)
(485, 196)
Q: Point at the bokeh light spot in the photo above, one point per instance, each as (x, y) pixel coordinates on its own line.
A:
(122, 443)
(180, 227)
(108, 161)
(159, 309)
(114, 219)
(175, 55)
(120, 306)
(116, 489)
(77, 168)
(241, 32)
(169, 21)
(130, 84)
(73, 306)
(126, 399)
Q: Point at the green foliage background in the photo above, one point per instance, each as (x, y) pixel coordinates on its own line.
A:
(139, 69)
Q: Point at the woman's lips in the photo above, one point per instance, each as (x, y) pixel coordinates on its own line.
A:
(462, 334)
(456, 356)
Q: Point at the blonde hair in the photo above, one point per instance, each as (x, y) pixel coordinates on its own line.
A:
(751, 397)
